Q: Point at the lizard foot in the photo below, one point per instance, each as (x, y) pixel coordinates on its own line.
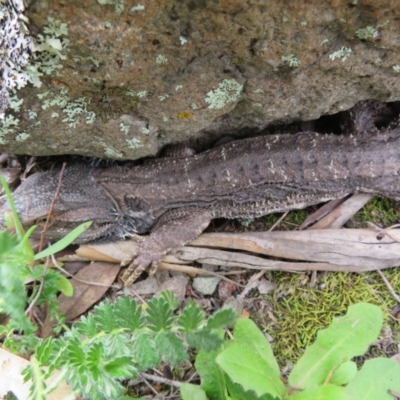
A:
(142, 261)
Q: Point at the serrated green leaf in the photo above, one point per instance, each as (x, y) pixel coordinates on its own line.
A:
(65, 287)
(169, 297)
(128, 313)
(144, 353)
(43, 351)
(249, 369)
(211, 376)
(376, 378)
(64, 242)
(222, 319)
(104, 317)
(94, 359)
(171, 348)
(159, 315)
(246, 332)
(75, 353)
(344, 374)
(191, 318)
(326, 392)
(345, 338)
(192, 392)
(205, 339)
(86, 326)
(236, 392)
(120, 367)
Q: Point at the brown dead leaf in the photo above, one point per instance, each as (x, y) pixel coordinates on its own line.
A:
(86, 295)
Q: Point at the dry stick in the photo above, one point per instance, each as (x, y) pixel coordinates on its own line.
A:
(389, 286)
(253, 281)
(385, 231)
(160, 379)
(46, 225)
(279, 221)
(198, 271)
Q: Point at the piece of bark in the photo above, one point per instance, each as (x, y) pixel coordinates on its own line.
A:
(340, 215)
(325, 250)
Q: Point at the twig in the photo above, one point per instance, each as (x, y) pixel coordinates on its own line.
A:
(279, 221)
(389, 286)
(160, 379)
(51, 208)
(198, 271)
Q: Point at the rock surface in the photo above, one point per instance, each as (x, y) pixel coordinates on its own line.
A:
(136, 76)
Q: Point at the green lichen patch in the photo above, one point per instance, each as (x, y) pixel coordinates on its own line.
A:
(228, 91)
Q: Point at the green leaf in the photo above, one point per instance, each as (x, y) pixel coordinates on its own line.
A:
(86, 326)
(344, 374)
(128, 313)
(65, 286)
(345, 338)
(192, 392)
(120, 367)
(222, 319)
(44, 351)
(169, 297)
(171, 348)
(249, 369)
(376, 377)
(74, 352)
(205, 339)
(94, 359)
(246, 332)
(104, 317)
(236, 392)
(18, 226)
(159, 315)
(144, 353)
(191, 318)
(8, 244)
(64, 242)
(327, 392)
(211, 375)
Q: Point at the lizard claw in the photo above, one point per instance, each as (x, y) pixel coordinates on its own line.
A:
(142, 261)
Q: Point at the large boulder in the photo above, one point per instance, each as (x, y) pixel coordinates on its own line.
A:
(127, 78)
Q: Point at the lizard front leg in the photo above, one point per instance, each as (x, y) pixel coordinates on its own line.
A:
(174, 228)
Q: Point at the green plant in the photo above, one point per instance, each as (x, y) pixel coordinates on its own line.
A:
(245, 368)
(18, 265)
(119, 340)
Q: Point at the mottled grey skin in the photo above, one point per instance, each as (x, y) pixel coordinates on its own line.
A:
(175, 198)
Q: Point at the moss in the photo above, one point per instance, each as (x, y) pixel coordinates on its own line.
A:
(380, 210)
(300, 311)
